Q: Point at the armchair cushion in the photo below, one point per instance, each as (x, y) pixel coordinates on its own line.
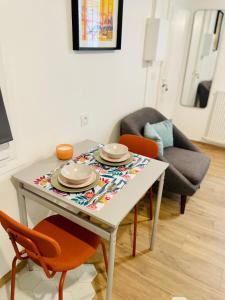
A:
(150, 133)
(193, 165)
(165, 131)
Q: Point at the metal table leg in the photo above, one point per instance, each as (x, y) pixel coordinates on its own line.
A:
(157, 210)
(23, 214)
(112, 251)
(22, 207)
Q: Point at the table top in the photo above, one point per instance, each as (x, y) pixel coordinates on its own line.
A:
(113, 212)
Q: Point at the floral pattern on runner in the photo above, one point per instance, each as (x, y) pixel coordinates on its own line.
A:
(112, 180)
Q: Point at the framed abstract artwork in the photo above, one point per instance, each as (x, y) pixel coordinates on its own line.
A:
(97, 24)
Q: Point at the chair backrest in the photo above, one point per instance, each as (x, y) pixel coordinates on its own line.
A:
(140, 145)
(134, 123)
(30, 239)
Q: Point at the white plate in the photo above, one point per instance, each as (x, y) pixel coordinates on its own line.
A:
(105, 157)
(115, 150)
(76, 173)
(89, 181)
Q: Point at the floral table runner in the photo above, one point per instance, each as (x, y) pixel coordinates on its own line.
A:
(112, 180)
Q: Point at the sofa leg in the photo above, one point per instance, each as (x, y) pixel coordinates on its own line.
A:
(183, 200)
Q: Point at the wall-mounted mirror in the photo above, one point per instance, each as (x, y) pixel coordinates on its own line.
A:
(202, 57)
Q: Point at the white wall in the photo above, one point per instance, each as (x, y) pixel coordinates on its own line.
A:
(47, 85)
(178, 13)
(161, 9)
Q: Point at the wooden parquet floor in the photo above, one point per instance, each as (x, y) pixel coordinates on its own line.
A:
(189, 255)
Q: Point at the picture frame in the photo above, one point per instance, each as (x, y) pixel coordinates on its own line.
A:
(97, 24)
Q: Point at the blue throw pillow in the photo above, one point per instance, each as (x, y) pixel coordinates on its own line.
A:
(150, 133)
(165, 131)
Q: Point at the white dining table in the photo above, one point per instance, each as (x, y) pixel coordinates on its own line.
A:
(111, 214)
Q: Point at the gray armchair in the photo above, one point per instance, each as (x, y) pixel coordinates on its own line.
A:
(188, 165)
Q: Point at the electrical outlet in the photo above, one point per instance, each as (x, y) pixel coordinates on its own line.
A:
(84, 119)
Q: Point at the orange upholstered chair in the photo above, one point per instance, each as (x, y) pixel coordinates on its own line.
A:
(140, 145)
(56, 244)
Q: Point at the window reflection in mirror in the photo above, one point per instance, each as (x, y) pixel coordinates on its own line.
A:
(202, 57)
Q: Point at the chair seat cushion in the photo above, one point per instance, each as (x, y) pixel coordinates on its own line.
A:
(77, 244)
(193, 165)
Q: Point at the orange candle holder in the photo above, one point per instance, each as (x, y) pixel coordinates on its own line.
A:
(64, 151)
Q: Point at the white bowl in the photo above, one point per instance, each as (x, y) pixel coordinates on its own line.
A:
(121, 159)
(76, 173)
(87, 182)
(115, 150)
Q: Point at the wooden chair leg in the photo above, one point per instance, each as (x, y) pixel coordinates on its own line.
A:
(135, 230)
(104, 256)
(183, 200)
(151, 204)
(13, 278)
(61, 283)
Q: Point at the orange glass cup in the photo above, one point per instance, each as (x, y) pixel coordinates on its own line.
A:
(64, 151)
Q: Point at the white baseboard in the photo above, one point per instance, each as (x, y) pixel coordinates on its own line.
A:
(210, 141)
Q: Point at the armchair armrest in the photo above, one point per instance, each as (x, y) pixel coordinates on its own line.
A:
(176, 182)
(181, 141)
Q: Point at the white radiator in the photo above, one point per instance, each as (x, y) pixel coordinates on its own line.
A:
(215, 132)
